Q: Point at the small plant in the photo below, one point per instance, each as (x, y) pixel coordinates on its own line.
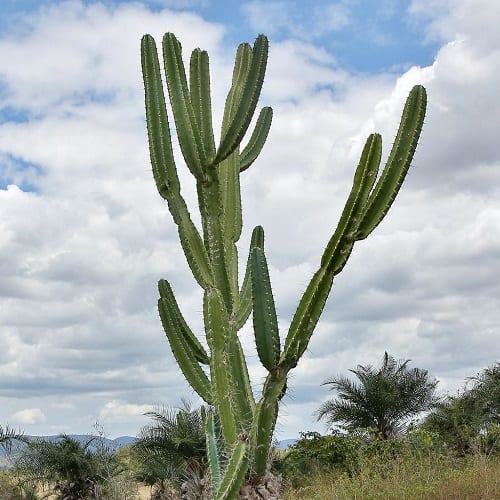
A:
(219, 375)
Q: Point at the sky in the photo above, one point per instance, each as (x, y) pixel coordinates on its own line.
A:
(84, 235)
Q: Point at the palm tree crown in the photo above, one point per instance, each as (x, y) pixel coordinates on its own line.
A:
(382, 399)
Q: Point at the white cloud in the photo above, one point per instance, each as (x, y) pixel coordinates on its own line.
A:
(29, 416)
(118, 411)
(80, 257)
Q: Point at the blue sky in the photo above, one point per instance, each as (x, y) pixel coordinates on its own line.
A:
(84, 236)
(365, 35)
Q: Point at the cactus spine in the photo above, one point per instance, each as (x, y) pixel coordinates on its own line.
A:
(247, 425)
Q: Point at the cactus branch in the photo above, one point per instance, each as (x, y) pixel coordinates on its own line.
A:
(265, 322)
(397, 165)
(249, 89)
(257, 140)
(160, 144)
(185, 121)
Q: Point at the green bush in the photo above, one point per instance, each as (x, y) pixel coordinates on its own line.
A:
(316, 453)
(353, 454)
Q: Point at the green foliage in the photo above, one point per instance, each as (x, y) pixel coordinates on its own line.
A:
(72, 469)
(9, 490)
(247, 422)
(382, 399)
(406, 476)
(470, 420)
(174, 443)
(314, 453)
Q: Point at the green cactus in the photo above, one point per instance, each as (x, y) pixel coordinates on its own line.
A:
(246, 425)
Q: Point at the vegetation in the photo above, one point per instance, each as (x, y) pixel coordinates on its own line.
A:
(383, 400)
(423, 462)
(470, 420)
(69, 468)
(247, 423)
(407, 477)
(8, 437)
(172, 449)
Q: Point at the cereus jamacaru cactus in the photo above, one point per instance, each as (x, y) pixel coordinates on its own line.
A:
(220, 375)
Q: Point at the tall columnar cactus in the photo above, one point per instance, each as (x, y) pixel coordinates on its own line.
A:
(220, 375)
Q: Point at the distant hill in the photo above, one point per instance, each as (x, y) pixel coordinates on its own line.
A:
(119, 442)
(113, 444)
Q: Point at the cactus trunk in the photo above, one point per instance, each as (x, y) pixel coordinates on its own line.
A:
(239, 458)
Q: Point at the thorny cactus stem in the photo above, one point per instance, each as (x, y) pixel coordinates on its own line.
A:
(220, 376)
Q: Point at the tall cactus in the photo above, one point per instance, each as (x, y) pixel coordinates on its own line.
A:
(220, 376)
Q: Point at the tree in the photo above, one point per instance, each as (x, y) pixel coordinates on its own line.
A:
(76, 471)
(383, 399)
(471, 418)
(220, 375)
(172, 448)
(8, 437)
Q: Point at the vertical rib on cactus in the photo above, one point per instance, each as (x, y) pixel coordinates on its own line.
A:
(246, 424)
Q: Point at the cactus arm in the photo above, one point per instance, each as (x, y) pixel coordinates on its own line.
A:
(183, 353)
(257, 140)
(160, 144)
(212, 451)
(199, 85)
(342, 240)
(306, 317)
(162, 160)
(185, 121)
(242, 395)
(234, 474)
(241, 68)
(245, 302)
(218, 333)
(249, 97)
(192, 244)
(229, 179)
(197, 349)
(265, 419)
(265, 322)
(334, 257)
(397, 165)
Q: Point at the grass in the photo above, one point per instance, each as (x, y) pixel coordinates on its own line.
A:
(473, 478)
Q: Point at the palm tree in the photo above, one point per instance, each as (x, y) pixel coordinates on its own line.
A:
(76, 470)
(172, 449)
(382, 399)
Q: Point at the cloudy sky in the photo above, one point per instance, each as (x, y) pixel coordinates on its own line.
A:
(84, 235)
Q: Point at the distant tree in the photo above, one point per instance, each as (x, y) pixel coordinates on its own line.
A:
(76, 471)
(471, 418)
(383, 399)
(8, 437)
(486, 391)
(172, 449)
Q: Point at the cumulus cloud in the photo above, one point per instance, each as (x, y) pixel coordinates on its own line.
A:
(119, 411)
(28, 416)
(84, 236)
